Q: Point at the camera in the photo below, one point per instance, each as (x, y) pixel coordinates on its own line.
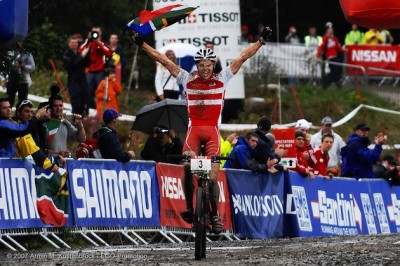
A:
(94, 35)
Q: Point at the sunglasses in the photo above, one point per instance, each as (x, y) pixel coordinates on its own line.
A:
(23, 103)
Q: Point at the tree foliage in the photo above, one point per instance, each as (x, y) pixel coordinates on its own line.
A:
(52, 22)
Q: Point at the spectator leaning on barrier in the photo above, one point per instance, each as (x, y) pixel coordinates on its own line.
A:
(243, 156)
(319, 158)
(304, 126)
(61, 129)
(338, 143)
(26, 145)
(40, 133)
(162, 143)
(265, 148)
(227, 145)
(108, 141)
(357, 159)
(9, 130)
(388, 170)
(302, 166)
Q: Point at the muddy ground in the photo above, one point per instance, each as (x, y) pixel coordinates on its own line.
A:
(344, 250)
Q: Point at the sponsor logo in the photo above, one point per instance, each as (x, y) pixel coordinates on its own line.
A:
(368, 213)
(211, 17)
(197, 41)
(256, 205)
(103, 193)
(17, 194)
(381, 213)
(394, 210)
(299, 199)
(373, 56)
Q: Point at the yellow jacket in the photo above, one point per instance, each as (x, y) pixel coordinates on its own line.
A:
(26, 146)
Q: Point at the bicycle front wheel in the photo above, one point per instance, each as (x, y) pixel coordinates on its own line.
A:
(199, 225)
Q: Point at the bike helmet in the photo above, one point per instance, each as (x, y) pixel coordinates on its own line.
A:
(205, 54)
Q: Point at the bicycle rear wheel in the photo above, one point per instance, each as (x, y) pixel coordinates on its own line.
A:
(199, 225)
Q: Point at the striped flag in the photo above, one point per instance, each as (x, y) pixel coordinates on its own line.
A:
(150, 21)
(52, 196)
(53, 126)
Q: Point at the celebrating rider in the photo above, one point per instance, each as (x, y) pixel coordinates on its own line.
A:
(204, 94)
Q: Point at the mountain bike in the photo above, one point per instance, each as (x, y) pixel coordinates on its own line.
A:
(201, 167)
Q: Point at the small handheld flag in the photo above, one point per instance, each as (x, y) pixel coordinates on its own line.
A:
(150, 21)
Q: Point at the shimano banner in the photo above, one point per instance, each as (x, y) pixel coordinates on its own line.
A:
(342, 206)
(110, 193)
(257, 203)
(18, 195)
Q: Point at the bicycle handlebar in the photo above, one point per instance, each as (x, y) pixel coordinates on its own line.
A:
(187, 157)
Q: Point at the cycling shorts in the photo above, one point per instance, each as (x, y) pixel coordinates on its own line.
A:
(208, 136)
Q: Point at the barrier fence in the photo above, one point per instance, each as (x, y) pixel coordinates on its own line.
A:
(141, 201)
(289, 61)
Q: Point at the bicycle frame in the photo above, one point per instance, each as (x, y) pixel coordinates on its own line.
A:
(201, 166)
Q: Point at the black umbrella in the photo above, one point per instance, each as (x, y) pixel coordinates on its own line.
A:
(168, 112)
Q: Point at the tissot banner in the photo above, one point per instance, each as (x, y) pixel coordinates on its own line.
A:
(257, 203)
(110, 193)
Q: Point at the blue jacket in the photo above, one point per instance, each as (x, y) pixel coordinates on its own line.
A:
(110, 146)
(9, 130)
(243, 157)
(357, 159)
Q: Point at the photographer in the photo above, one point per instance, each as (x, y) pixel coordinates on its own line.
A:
(160, 144)
(19, 78)
(97, 51)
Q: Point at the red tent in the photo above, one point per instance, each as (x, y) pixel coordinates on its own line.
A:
(376, 14)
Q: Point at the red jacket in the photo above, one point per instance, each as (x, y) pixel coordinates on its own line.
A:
(301, 163)
(319, 162)
(330, 47)
(97, 54)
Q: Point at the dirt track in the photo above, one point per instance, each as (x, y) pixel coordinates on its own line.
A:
(348, 250)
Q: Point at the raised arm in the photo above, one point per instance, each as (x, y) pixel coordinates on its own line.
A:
(156, 55)
(250, 51)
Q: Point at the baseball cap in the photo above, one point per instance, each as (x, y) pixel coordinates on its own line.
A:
(110, 114)
(303, 123)
(327, 120)
(362, 126)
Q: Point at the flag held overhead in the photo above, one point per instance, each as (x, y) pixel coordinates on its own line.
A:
(150, 21)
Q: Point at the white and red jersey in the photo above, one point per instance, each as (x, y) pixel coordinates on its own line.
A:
(319, 162)
(205, 98)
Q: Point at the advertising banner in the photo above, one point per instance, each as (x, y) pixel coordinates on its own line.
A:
(172, 197)
(214, 20)
(110, 193)
(19, 197)
(342, 206)
(375, 56)
(257, 203)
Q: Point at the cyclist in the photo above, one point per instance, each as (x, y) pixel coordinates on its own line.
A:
(204, 93)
